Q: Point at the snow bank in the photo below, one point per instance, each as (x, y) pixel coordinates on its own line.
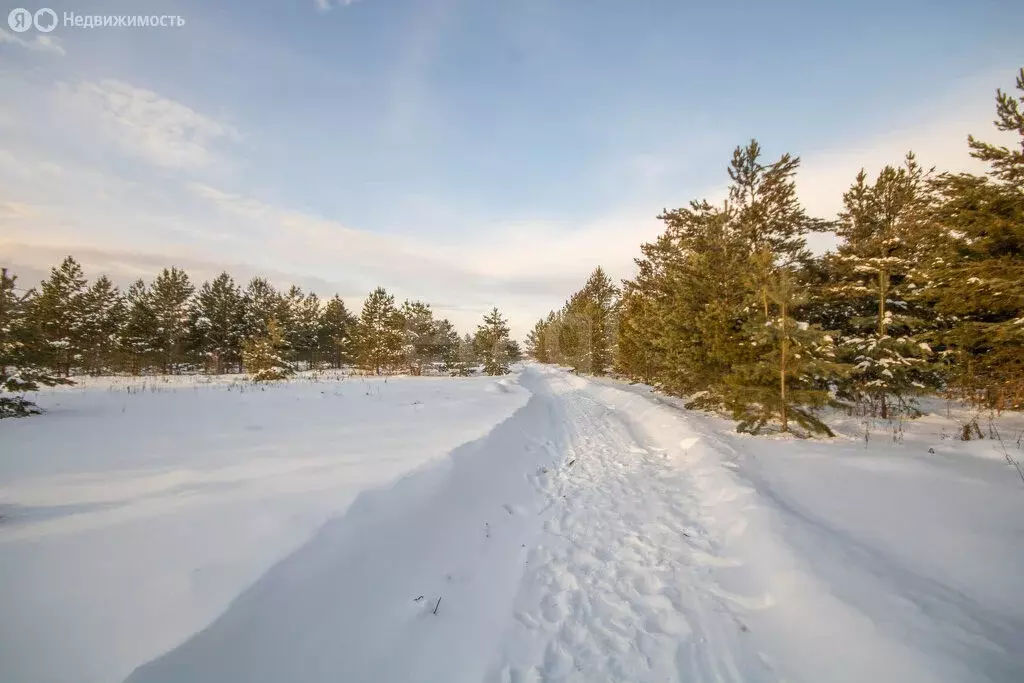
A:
(413, 583)
(853, 563)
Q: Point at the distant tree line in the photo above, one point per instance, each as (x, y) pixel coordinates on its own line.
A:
(70, 326)
(925, 292)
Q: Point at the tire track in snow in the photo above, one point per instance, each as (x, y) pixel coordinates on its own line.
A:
(619, 587)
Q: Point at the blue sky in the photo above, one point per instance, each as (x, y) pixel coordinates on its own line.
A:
(468, 152)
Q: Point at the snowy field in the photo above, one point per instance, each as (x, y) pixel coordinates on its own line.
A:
(131, 520)
(538, 527)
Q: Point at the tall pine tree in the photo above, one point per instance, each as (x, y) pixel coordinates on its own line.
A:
(21, 366)
(419, 342)
(448, 343)
(336, 333)
(260, 303)
(974, 275)
(882, 321)
(103, 316)
(379, 338)
(491, 343)
(58, 312)
(139, 328)
(216, 324)
(169, 299)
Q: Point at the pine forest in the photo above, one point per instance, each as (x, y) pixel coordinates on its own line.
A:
(729, 308)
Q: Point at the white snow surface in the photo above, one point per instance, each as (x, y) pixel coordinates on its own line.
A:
(129, 521)
(538, 527)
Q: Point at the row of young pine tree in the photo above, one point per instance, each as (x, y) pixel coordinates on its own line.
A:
(69, 326)
(924, 293)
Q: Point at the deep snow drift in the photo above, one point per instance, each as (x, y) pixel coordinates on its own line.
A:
(576, 531)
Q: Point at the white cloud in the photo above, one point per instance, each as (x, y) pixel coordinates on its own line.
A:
(325, 5)
(39, 43)
(15, 210)
(142, 123)
(521, 252)
(940, 141)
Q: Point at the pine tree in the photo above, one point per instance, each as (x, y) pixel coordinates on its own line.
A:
(536, 342)
(379, 337)
(491, 343)
(703, 312)
(974, 275)
(600, 298)
(419, 342)
(448, 344)
(694, 280)
(767, 216)
(467, 358)
(20, 367)
(139, 327)
(169, 299)
(285, 312)
(791, 369)
(103, 316)
(336, 333)
(307, 318)
(582, 334)
(513, 351)
(1007, 164)
(215, 321)
(58, 312)
(870, 278)
(264, 356)
(260, 303)
(635, 353)
(574, 333)
(299, 317)
(552, 336)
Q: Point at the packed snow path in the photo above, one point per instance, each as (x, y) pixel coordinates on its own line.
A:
(617, 588)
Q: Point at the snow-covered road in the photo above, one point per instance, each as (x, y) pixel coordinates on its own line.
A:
(617, 586)
(599, 534)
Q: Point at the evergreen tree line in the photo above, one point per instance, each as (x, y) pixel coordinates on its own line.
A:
(924, 293)
(70, 326)
(582, 334)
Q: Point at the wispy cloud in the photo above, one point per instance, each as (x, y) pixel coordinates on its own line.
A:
(159, 130)
(299, 237)
(39, 43)
(131, 221)
(326, 5)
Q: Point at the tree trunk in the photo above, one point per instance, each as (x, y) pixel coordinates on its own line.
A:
(782, 370)
(883, 287)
